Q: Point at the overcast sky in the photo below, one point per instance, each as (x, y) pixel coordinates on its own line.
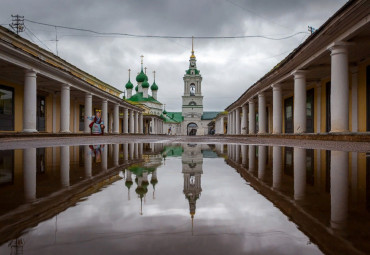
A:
(228, 66)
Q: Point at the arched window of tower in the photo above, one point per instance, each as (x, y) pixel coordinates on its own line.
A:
(192, 89)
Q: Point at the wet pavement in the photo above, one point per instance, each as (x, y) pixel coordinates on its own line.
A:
(181, 195)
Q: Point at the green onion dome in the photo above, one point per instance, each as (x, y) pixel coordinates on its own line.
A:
(145, 84)
(164, 112)
(154, 86)
(128, 184)
(141, 77)
(129, 85)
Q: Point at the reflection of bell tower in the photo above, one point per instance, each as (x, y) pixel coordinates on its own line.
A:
(192, 169)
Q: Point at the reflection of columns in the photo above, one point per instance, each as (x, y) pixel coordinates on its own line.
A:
(29, 102)
(54, 120)
(318, 106)
(136, 150)
(131, 148)
(339, 88)
(339, 189)
(354, 176)
(237, 153)
(252, 153)
(65, 107)
(88, 111)
(131, 112)
(244, 154)
(318, 166)
(277, 172)
(299, 162)
(87, 161)
(29, 173)
(125, 152)
(115, 154)
(277, 106)
(354, 93)
(64, 165)
(104, 157)
(252, 117)
(299, 114)
(104, 114)
(116, 119)
(262, 113)
(237, 121)
(244, 120)
(140, 150)
(261, 161)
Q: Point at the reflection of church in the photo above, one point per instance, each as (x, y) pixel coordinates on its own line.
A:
(192, 169)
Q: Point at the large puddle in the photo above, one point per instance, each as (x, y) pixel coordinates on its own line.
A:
(154, 198)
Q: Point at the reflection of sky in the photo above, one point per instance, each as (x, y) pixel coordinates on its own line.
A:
(231, 218)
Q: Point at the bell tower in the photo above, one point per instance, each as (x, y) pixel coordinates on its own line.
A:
(192, 100)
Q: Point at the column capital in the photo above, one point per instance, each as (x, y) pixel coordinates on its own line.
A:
(339, 47)
(261, 94)
(251, 101)
(30, 72)
(276, 86)
(66, 86)
(88, 95)
(298, 74)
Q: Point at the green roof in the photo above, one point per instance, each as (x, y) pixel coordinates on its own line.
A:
(196, 71)
(172, 151)
(138, 97)
(139, 170)
(209, 115)
(129, 85)
(174, 117)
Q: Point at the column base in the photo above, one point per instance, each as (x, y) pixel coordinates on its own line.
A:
(65, 132)
(116, 132)
(30, 131)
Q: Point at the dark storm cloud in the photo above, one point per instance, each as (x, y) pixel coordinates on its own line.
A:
(228, 67)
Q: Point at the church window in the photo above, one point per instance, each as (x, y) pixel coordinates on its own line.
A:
(192, 89)
(192, 103)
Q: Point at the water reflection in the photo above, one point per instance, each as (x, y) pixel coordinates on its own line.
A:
(325, 193)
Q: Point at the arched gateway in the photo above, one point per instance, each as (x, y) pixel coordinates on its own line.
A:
(192, 129)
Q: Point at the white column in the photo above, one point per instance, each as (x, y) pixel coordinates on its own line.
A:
(29, 174)
(87, 162)
(299, 114)
(88, 111)
(222, 125)
(229, 123)
(277, 172)
(75, 116)
(116, 154)
(261, 113)
(54, 120)
(237, 121)
(125, 120)
(131, 112)
(65, 107)
(116, 119)
(29, 102)
(261, 161)
(277, 106)
(136, 116)
(318, 107)
(104, 114)
(339, 189)
(154, 131)
(64, 165)
(299, 173)
(141, 123)
(354, 71)
(111, 125)
(339, 88)
(244, 120)
(251, 154)
(252, 117)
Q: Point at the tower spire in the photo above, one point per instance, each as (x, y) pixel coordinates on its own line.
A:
(129, 74)
(145, 69)
(154, 74)
(192, 47)
(142, 57)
